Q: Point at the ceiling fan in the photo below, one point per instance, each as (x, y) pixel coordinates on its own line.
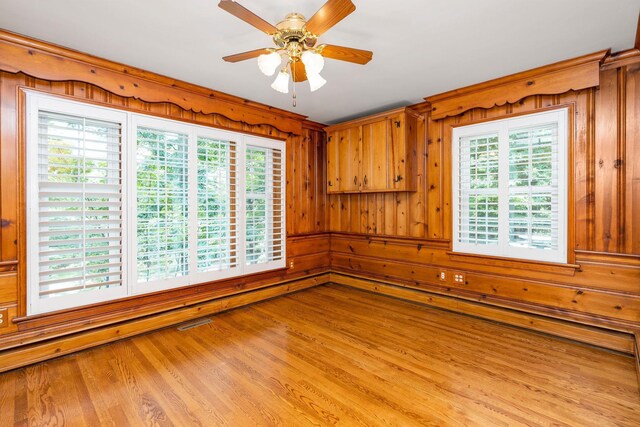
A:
(295, 53)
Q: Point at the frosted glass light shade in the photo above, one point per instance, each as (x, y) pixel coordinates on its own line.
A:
(313, 62)
(269, 63)
(281, 83)
(315, 81)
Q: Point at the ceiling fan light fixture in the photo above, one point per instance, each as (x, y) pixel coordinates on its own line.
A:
(281, 83)
(313, 61)
(295, 39)
(316, 81)
(269, 63)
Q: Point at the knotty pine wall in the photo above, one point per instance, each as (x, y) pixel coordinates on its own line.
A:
(401, 238)
(307, 245)
(404, 238)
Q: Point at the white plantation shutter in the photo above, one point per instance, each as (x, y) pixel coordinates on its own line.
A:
(121, 204)
(264, 201)
(75, 198)
(217, 196)
(162, 209)
(533, 187)
(509, 187)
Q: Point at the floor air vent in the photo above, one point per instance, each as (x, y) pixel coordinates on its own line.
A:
(194, 324)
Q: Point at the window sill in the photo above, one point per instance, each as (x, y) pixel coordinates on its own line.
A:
(519, 264)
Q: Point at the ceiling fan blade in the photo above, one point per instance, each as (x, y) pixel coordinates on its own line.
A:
(348, 54)
(246, 55)
(298, 72)
(329, 15)
(247, 16)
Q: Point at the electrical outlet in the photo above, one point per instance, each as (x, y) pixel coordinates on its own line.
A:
(291, 264)
(4, 318)
(458, 277)
(442, 276)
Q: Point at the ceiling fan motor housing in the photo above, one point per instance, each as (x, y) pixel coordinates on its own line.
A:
(292, 30)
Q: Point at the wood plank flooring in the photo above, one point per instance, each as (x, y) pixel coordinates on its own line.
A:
(329, 355)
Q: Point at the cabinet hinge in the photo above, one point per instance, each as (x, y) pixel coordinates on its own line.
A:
(397, 123)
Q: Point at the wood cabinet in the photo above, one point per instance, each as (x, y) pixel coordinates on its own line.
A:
(373, 154)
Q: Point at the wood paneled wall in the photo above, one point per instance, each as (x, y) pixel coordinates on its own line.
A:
(306, 191)
(307, 241)
(406, 237)
(401, 238)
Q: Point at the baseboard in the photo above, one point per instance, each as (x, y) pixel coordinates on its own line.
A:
(637, 355)
(38, 352)
(606, 338)
(28, 354)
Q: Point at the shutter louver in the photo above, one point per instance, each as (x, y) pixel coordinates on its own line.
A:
(79, 205)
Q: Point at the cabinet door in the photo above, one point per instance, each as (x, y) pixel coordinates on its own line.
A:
(348, 146)
(375, 156)
(333, 163)
(402, 152)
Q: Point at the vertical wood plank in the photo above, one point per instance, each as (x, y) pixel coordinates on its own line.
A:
(632, 161)
(306, 198)
(9, 167)
(434, 179)
(606, 200)
(584, 171)
(291, 196)
(401, 213)
(389, 214)
(417, 199)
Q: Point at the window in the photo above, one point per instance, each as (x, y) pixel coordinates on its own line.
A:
(122, 204)
(509, 187)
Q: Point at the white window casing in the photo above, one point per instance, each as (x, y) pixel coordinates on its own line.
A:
(509, 180)
(154, 204)
(76, 233)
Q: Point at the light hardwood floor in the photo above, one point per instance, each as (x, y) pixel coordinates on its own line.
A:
(329, 355)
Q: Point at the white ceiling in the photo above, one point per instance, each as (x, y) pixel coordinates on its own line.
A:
(420, 47)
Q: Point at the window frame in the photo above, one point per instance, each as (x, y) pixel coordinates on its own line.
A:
(36, 102)
(253, 141)
(501, 127)
(130, 121)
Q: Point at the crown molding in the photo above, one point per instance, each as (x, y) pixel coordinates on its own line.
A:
(20, 54)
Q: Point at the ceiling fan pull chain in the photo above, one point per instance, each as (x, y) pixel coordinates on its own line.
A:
(294, 85)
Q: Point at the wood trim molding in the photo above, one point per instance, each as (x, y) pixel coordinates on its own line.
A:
(421, 107)
(309, 124)
(19, 54)
(550, 267)
(41, 327)
(613, 340)
(59, 346)
(461, 293)
(38, 351)
(422, 242)
(574, 74)
(609, 258)
(620, 59)
(373, 118)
